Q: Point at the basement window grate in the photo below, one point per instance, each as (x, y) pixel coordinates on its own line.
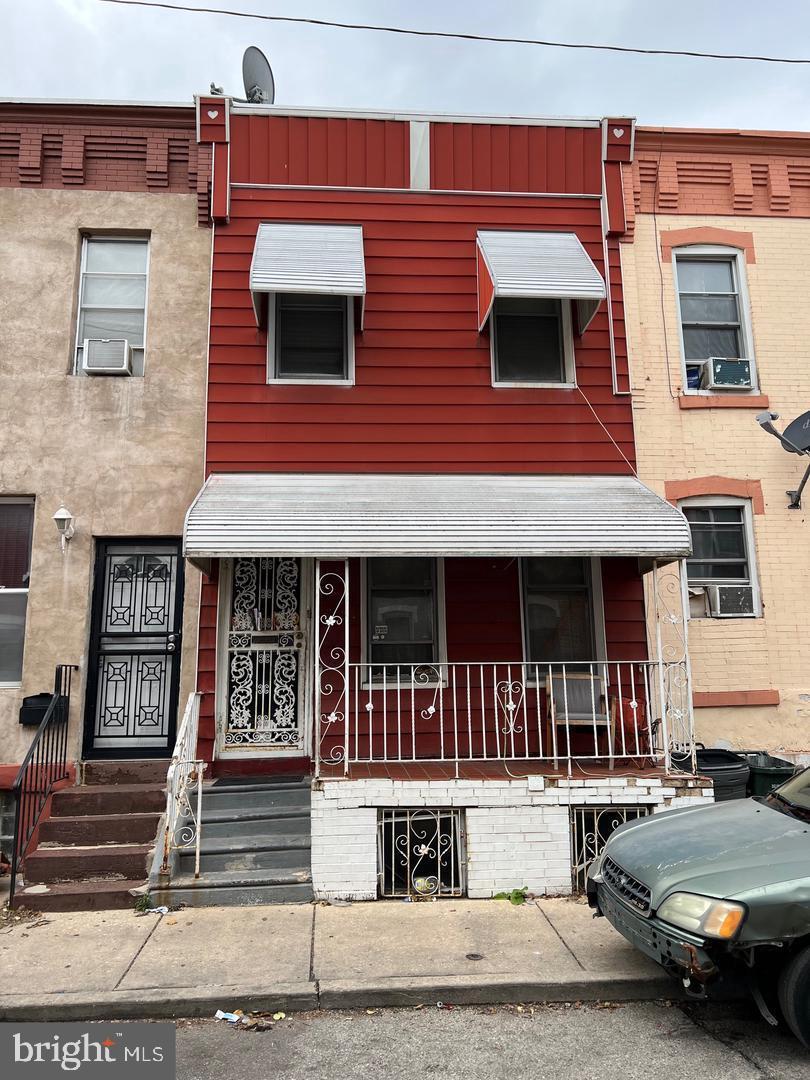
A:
(421, 853)
(590, 828)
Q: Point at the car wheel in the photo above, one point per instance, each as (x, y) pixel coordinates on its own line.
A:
(794, 995)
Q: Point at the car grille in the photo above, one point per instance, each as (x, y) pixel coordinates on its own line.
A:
(628, 888)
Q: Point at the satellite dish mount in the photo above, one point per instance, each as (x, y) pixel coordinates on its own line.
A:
(796, 440)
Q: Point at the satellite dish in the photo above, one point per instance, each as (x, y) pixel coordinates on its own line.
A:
(798, 433)
(260, 88)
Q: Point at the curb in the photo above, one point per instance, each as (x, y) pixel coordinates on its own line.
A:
(175, 1003)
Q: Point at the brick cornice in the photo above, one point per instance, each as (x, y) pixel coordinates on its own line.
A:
(675, 490)
(706, 234)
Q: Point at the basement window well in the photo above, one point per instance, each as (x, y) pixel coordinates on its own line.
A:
(421, 852)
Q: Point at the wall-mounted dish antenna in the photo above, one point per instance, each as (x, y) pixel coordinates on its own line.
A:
(796, 440)
(260, 87)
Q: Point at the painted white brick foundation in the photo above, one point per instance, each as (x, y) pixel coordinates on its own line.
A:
(518, 831)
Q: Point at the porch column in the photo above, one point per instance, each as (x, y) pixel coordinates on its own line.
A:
(671, 606)
(331, 663)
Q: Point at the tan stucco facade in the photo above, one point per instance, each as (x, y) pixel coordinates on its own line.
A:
(125, 455)
(767, 656)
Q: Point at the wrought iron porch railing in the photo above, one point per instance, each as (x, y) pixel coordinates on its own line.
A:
(43, 767)
(184, 791)
(599, 711)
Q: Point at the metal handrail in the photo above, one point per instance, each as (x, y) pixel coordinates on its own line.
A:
(182, 826)
(44, 766)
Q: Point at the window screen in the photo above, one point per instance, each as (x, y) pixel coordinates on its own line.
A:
(402, 611)
(311, 337)
(558, 606)
(528, 337)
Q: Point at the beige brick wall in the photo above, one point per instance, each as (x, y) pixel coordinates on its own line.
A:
(772, 652)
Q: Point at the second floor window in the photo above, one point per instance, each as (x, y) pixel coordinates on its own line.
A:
(716, 348)
(531, 342)
(112, 297)
(310, 337)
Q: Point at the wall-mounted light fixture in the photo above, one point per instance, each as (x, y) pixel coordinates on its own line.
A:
(64, 525)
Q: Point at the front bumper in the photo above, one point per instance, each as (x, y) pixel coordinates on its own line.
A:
(675, 950)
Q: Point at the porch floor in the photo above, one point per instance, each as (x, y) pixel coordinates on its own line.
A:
(489, 770)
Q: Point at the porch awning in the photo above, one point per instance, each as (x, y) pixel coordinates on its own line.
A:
(340, 516)
(321, 259)
(537, 265)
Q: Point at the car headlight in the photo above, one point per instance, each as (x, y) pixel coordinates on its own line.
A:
(703, 914)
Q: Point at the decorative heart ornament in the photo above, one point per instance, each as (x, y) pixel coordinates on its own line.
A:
(214, 113)
(618, 132)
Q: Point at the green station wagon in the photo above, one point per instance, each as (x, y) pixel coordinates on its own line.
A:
(720, 892)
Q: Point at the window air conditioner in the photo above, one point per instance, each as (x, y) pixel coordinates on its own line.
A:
(106, 356)
(730, 601)
(726, 373)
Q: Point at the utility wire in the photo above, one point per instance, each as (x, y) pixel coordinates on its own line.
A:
(460, 36)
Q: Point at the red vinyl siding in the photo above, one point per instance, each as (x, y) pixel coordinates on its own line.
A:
(515, 157)
(321, 151)
(423, 399)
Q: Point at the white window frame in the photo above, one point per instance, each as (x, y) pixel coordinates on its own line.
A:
(750, 551)
(441, 624)
(309, 380)
(599, 631)
(87, 239)
(718, 253)
(14, 684)
(569, 361)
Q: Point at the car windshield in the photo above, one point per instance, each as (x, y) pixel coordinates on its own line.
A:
(796, 791)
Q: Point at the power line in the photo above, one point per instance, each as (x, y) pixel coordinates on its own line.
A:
(460, 36)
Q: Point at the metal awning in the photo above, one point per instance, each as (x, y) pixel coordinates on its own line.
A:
(340, 516)
(293, 258)
(538, 265)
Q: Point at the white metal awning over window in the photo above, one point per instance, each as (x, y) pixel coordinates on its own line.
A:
(293, 258)
(537, 265)
(341, 516)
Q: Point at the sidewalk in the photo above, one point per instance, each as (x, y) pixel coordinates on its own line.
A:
(116, 965)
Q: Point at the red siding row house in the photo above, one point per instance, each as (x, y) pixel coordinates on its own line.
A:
(424, 665)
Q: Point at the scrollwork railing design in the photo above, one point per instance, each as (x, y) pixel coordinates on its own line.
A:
(331, 663)
(182, 828)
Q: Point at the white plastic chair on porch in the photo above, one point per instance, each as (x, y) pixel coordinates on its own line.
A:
(578, 700)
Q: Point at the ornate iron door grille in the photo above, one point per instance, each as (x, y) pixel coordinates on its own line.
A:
(421, 853)
(265, 646)
(134, 667)
(590, 828)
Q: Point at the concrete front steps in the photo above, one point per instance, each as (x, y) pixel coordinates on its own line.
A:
(255, 846)
(98, 841)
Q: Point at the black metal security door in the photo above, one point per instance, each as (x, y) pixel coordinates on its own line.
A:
(134, 666)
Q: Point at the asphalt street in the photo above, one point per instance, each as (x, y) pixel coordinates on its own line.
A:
(589, 1042)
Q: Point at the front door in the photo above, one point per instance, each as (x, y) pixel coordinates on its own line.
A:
(134, 668)
(261, 688)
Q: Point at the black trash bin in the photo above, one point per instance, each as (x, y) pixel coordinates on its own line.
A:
(728, 770)
(766, 771)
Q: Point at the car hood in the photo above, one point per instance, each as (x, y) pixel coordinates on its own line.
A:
(728, 849)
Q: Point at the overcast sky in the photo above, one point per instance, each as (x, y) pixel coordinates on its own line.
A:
(90, 49)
